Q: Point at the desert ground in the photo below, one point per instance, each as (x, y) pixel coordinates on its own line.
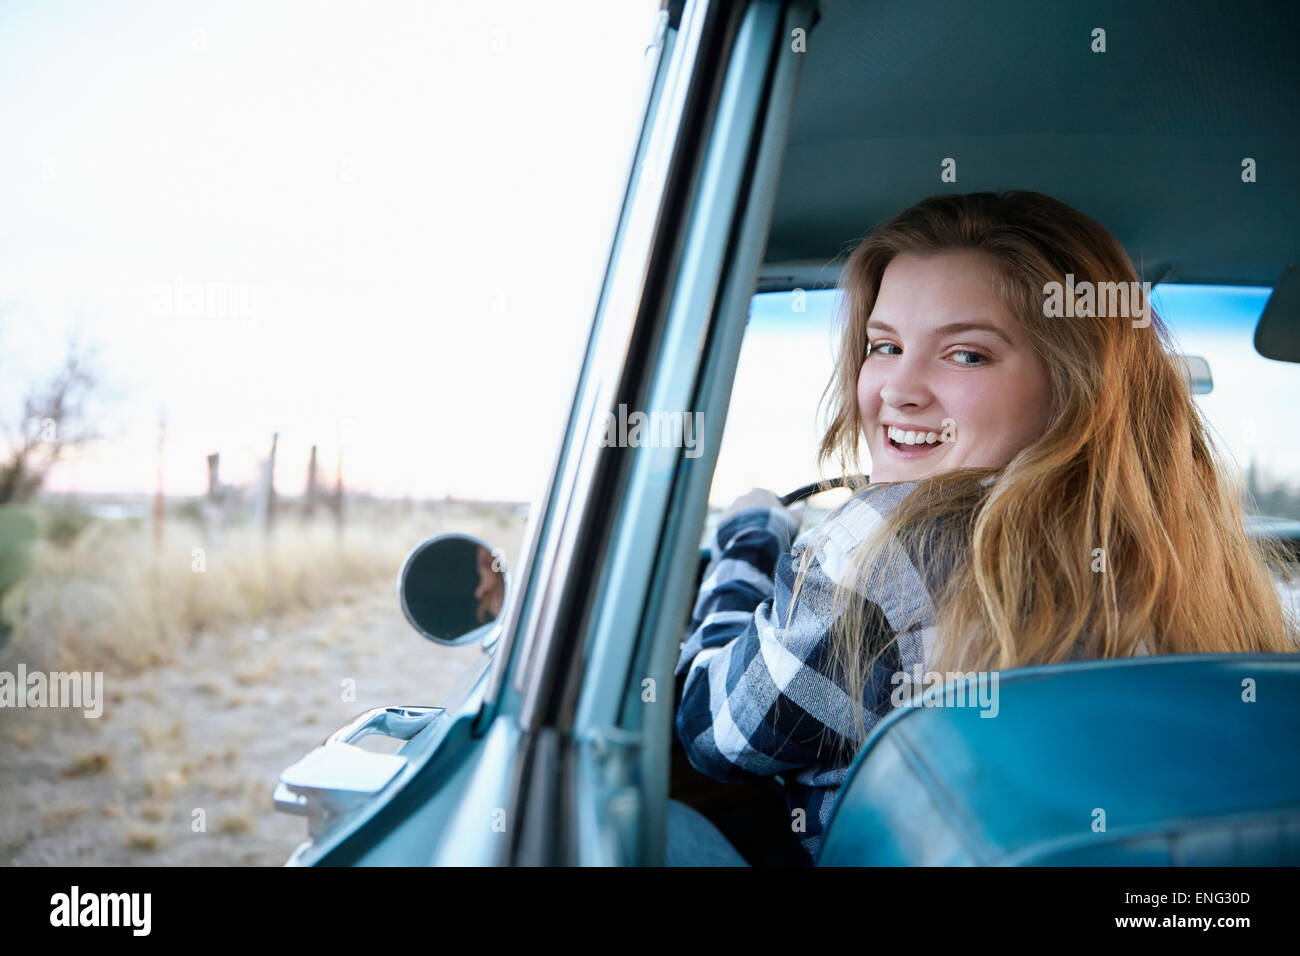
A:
(204, 718)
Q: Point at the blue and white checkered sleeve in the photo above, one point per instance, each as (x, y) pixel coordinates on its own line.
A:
(756, 699)
(744, 552)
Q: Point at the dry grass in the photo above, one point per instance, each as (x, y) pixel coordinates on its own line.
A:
(144, 837)
(110, 600)
(154, 735)
(258, 671)
(88, 764)
(59, 816)
(235, 823)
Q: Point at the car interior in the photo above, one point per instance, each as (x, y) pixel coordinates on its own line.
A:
(1175, 128)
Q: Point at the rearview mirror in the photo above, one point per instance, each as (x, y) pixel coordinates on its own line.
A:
(1277, 336)
(451, 587)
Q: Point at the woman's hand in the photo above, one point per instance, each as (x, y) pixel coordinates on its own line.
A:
(757, 498)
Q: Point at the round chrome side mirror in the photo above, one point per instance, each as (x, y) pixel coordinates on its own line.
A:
(451, 587)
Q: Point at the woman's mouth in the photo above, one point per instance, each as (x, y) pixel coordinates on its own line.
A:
(911, 443)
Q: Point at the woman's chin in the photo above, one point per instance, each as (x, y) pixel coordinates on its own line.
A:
(889, 465)
(908, 470)
(902, 474)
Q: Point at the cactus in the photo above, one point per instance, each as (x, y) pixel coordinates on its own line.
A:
(17, 534)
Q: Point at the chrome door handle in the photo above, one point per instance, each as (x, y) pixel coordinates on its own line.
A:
(400, 723)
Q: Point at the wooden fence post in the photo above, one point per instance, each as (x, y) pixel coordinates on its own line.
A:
(264, 502)
(158, 500)
(337, 503)
(214, 506)
(309, 498)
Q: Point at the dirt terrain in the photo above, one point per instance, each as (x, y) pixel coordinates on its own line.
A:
(210, 733)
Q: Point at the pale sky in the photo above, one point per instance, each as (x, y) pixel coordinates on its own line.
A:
(383, 223)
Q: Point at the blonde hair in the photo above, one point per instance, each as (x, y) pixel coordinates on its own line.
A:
(1115, 532)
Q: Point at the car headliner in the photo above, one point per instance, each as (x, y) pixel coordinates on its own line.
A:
(1147, 138)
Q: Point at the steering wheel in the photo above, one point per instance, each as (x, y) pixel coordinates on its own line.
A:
(804, 491)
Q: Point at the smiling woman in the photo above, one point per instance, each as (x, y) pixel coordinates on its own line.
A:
(1043, 490)
(1083, 505)
(961, 384)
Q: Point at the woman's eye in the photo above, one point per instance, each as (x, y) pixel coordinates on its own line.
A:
(978, 358)
(877, 346)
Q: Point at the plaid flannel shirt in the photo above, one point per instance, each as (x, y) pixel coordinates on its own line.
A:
(753, 704)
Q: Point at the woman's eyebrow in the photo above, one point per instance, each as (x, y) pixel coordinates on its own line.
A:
(949, 329)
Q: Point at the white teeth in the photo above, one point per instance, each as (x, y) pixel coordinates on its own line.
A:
(912, 437)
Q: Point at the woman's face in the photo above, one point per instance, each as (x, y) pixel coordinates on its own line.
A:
(949, 364)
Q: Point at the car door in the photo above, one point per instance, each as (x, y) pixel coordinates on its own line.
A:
(560, 753)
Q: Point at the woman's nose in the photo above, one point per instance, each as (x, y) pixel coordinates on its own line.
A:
(904, 385)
